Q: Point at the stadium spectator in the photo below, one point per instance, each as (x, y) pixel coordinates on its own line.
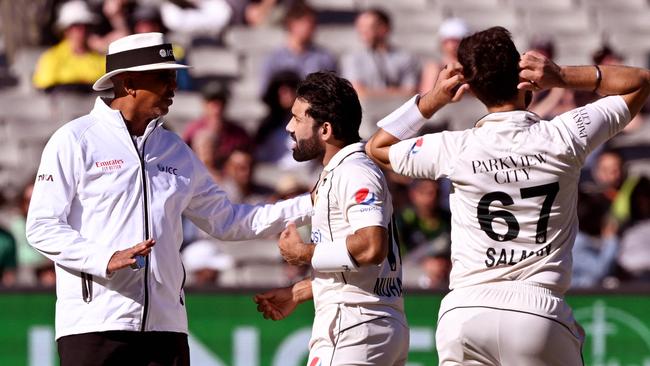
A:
(32, 267)
(499, 284)
(608, 174)
(634, 254)
(237, 179)
(204, 262)
(114, 25)
(203, 21)
(380, 68)
(299, 54)
(450, 32)
(7, 258)
(146, 19)
(272, 141)
(226, 134)
(596, 244)
(98, 174)
(423, 221)
(436, 263)
(70, 65)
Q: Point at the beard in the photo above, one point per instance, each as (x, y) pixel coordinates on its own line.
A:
(308, 149)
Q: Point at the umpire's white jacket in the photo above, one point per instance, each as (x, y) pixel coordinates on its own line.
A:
(98, 191)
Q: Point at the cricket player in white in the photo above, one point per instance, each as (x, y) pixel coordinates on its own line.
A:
(357, 273)
(513, 201)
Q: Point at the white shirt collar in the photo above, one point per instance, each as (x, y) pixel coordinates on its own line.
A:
(344, 153)
(114, 117)
(516, 117)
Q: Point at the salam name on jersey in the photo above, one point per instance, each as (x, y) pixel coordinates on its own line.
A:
(364, 197)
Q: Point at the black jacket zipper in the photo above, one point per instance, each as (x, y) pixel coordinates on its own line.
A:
(146, 228)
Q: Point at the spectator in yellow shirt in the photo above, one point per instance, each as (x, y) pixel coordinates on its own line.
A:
(70, 65)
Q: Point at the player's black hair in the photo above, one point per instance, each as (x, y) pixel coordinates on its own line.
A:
(332, 99)
(490, 65)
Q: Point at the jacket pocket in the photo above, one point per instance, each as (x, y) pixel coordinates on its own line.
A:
(86, 287)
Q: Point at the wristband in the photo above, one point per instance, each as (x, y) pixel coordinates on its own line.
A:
(333, 257)
(405, 121)
(599, 78)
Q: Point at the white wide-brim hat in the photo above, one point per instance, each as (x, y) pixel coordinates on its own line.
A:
(137, 52)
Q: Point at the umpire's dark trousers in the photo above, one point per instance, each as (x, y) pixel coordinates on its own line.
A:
(124, 348)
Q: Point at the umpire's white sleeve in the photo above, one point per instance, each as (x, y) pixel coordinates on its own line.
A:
(47, 226)
(211, 210)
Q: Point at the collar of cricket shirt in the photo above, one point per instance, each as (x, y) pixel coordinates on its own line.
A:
(337, 159)
(516, 117)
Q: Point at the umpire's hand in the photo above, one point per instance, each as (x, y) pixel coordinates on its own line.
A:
(125, 258)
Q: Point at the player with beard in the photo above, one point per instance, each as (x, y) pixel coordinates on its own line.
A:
(513, 202)
(357, 276)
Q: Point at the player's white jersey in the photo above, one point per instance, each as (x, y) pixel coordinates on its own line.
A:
(352, 194)
(514, 193)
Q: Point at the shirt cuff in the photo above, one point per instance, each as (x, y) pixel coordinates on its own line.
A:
(405, 121)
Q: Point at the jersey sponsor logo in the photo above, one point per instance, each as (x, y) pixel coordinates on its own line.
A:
(316, 361)
(109, 165)
(365, 197)
(509, 169)
(417, 145)
(167, 169)
(388, 287)
(581, 119)
(45, 178)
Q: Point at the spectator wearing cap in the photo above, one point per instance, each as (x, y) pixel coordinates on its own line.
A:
(223, 134)
(146, 18)
(450, 33)
(70, 65)
(204, 262)
(379, 68)
(201, 21)
(299, 53)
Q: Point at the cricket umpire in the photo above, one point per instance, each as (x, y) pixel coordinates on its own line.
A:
(106, 208)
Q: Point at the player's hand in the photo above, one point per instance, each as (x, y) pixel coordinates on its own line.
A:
(276, 304)
(125, 258)
(449, 88)
(538, 72)
(292, 248)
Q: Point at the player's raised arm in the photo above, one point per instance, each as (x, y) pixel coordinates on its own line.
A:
(406, 121)
(631, 83)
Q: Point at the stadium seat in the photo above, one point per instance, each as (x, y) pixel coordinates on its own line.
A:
(245, 39)
(558, 22)
(559, 5)
(338, 39)
(617, 20)
(479, 19)
(214, 61)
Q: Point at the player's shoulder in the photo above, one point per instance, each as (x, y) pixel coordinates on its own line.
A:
(359, 167)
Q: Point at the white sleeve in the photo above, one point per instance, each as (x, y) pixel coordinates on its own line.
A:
(591, 125)
(362, 196)
(430, 156)
(47, 227)
(211, 210)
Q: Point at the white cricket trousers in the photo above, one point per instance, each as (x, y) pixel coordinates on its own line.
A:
(350, 335)
(507, 324)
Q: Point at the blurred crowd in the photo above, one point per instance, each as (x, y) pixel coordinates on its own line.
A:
(612, 246)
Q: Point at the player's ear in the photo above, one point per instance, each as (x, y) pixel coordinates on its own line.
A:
(326, 131)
